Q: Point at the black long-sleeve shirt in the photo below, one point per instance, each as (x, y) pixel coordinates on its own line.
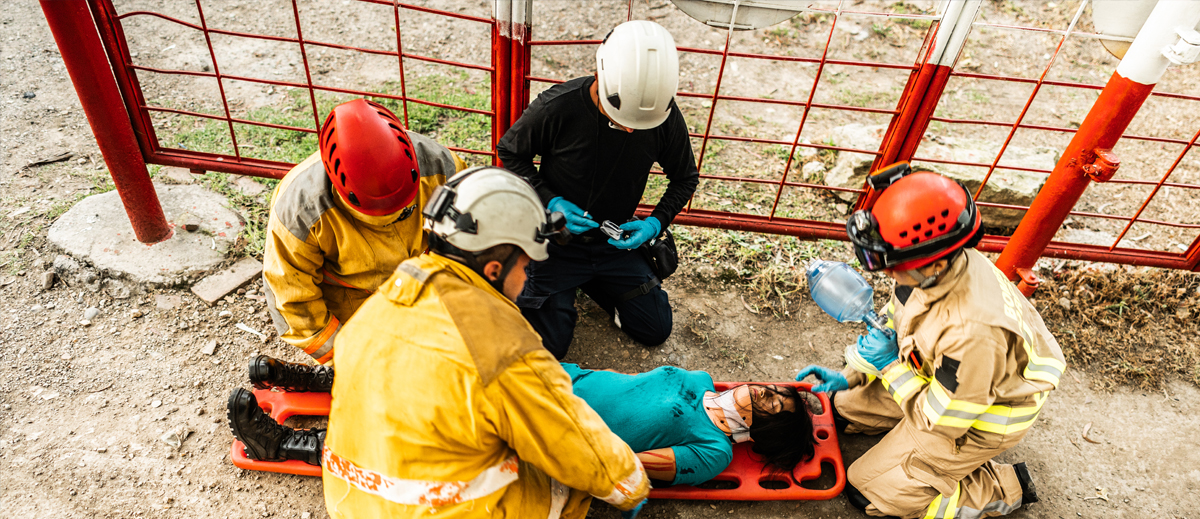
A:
(601, 169)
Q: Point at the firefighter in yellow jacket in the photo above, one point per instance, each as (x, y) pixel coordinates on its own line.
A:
(340, 222)
(963, 377)
(448, 404)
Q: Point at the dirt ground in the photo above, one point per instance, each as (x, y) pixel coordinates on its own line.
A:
(89, 414)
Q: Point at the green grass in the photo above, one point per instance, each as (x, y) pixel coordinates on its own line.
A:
(449, 127)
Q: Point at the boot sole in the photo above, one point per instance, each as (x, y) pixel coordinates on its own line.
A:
(242, 399)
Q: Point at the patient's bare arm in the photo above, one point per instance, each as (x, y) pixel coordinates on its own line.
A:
(659, 463)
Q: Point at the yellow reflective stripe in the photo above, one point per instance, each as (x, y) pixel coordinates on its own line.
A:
(943, 507)
(952, 506)
(902, 382)
(890, 312)
(1046, 369)
(934, 508)
(416, 491)
(940, 409)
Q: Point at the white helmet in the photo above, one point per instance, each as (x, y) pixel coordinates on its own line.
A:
(485, 206)
(637, 71)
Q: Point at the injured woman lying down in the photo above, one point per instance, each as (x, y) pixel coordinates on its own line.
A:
(683, 430)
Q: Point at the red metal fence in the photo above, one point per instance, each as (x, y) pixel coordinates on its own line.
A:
(915, 54)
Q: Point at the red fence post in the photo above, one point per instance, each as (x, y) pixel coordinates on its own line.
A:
(924, 88)
(522, 33)
(1089, 153)
(501, 70)
(79, 43)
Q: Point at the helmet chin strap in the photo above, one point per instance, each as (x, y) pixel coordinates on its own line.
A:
(922, 280)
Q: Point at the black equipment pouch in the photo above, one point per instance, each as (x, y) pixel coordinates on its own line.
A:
(661, 254)
(663, 257)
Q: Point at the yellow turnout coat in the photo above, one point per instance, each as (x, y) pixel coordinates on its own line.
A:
(448, 404)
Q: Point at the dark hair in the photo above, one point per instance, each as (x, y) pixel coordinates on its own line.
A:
(785, 438)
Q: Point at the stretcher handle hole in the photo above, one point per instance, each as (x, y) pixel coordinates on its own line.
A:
(774, 484)
(719, 484)
(822, 434)
(826, 481)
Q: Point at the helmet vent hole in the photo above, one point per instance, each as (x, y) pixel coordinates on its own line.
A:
(343, 179)
(930, 220)
(945, 213)
(337, 163)
(917, 226)
(354, 199)
(903, 234)
(942, 227)
(929, 233)
(332, 148)
(408, 154)
(916, 241)
(414, 175)
(394, 127)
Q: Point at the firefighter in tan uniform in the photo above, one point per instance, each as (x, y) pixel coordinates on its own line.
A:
(963, 378)
(448, 404)
(340, 223)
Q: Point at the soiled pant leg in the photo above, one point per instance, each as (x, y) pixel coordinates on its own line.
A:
(869, 408)
(913, 473)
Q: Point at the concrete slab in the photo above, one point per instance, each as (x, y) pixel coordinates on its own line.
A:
(97, 229)
(212, 288)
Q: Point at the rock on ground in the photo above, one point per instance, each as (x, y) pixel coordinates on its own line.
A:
(97, 229)
(1006, 186)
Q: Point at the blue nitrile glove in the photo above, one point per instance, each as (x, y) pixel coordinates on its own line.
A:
(878, 348)
(830, 380)
(641, 232)
(578, 222)
(632, 514)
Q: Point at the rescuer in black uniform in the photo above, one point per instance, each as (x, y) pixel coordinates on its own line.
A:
(597, 138)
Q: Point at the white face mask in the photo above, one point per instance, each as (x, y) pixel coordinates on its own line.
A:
(738, 430)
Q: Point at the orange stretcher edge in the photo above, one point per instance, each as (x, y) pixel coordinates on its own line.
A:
(747, 473)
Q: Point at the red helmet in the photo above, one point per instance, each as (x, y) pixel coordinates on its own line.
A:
(369, 158)
(918, 218)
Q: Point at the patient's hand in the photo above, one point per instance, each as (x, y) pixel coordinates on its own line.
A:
(813, 402)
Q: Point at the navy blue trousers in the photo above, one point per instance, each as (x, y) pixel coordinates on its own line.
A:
(605, 273)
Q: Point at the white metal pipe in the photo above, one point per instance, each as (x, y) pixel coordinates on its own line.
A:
(1144, 62)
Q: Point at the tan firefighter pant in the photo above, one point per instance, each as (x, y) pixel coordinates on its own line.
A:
(912, 473)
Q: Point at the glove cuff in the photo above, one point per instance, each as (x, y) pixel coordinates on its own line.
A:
(855, 360)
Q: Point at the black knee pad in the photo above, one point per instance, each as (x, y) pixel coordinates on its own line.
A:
(856, 499)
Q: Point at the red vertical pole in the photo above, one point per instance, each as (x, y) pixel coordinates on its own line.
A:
(942, 47)
(75, 33)
(522, 33)
(1100, 130)
(501, 71)
(1090, 149)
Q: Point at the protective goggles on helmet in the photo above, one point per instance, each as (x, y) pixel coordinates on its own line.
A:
(875, 253)
(441, 205)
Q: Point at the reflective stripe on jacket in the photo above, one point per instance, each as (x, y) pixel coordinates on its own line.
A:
(446, 382)
(321, 263)
(974, 353)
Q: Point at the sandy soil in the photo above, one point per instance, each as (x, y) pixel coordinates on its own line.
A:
(85, 409)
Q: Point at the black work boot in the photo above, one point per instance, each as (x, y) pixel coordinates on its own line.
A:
(266, 372)
(267, 440)
(1028, 490)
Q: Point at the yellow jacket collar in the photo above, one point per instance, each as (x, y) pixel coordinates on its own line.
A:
(413, 275)
(377, 221)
